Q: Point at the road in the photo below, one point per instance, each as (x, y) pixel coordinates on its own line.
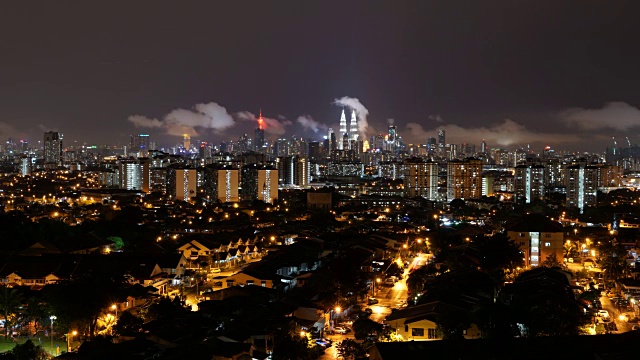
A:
(614, 313)
(192, 291)
(388, 297)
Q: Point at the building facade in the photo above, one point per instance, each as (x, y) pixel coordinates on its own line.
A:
(529, 182)
(420, 179)
(464, 179)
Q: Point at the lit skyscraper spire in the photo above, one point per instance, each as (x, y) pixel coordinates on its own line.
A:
(343, 128)
(258, 138)
(353, 126)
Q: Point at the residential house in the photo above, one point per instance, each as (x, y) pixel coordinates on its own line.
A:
(420, 322)
(248, 278)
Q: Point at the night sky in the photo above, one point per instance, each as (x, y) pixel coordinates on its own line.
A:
(559, 73)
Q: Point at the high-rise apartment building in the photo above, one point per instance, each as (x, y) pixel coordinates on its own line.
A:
(134, 174)
(182, 183)
(609, 176)
(529, 182)
(464, 179)
(294, 171)
(421, 179)
(259, 183)
(25, 165)
(221, 182)
(581, 186)
(53, 149)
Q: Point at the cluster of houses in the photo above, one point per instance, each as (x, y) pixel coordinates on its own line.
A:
(219, 254)
(38, 271)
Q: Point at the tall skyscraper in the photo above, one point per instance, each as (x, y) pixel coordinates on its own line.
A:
(52, 149)
(331, 137)
(391, 135)
(353, 127)
(441, 139)
(186, 143)
(343, 130)
(140, 145)
(258, 138)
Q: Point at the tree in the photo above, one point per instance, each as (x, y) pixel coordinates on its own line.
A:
(289, 345)
(29, 351)
(85, 298)
(613, 261)
(350, 349)
(551, 261)
(545, 308)
(10, 301)
(128, 324)
(166, 309)
(453, 324)
(117, 241)
(362, 328)
(497, 254)
(35, 311)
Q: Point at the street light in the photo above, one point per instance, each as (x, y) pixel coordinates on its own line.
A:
(52, 318)
(70, 339)
(115, 307)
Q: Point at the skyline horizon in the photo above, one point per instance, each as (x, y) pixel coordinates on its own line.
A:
(545, 74)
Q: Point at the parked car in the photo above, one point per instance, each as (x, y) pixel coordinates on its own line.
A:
(368, 311)
(603, 313)
(341, 330)
(372, 301)
(215, 270)
(323, 342)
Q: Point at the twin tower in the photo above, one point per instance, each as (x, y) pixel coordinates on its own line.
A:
(348, 135)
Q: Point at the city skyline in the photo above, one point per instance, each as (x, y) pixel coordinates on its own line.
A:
(534, 74)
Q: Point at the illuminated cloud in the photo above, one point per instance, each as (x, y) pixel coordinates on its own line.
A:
(613, 115)
(143, 121)
(187, 121)
(505, 133)
(308, 123)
